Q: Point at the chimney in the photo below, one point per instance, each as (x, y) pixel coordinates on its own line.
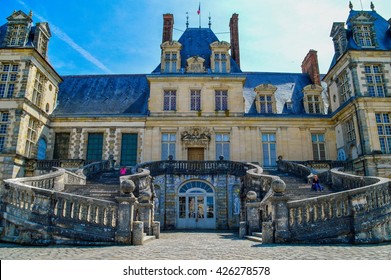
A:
(168, 27)
(310, 66)
(234, 32)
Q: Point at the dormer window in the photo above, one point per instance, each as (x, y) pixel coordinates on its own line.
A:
(220, 58)
(313, 101)
(18, 35)
(195, 64)
(265, 101)
(171, 58)
(363, 35)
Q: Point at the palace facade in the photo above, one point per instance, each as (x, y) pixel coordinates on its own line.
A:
(198, 105)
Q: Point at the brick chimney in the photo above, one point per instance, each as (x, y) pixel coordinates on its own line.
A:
(234, 31)
(168, 27)
(310, 66)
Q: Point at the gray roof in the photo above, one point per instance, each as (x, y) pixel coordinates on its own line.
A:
(103, 95)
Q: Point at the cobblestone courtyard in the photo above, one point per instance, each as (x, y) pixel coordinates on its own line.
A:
(199, 245)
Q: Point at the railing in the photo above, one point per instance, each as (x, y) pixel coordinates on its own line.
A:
(354, 215)
(63, 163)
(56, 217)
(93, 168)
(175, 167)
(258, 182)
(358, 212)
(327, 164)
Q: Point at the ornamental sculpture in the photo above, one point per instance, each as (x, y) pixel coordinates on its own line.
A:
(196, 136)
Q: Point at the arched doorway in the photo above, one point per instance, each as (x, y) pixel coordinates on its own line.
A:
(196, 206)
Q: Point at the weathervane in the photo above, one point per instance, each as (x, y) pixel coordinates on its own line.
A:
(187, 19)
(210, 23)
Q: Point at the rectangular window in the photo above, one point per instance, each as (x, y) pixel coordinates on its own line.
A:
(384, 131)
(314, 104)
(168, 145)
(38, 89)
(220, 61)
(61, 146)
(32, 133)
(195, 100)
(350, 132)
(94, 147)
(318, 146)
(374, 79)
(343, 87)
(169, 100)
(221, 100)
(8, 79)
(4, 121)
(363, 35)
(223, 146)
(170, 62)
(269, 149)
(265, 103)
(129, 149)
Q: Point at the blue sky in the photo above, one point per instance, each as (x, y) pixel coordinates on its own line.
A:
(124, 36)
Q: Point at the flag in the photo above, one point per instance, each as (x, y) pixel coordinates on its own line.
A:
(199, 9)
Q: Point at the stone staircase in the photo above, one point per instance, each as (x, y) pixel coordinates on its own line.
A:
(103, 186)
(296, 189)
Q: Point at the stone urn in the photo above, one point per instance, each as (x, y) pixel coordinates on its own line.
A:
(127, 187)
(251, 196)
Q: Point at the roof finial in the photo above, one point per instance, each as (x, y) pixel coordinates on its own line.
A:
(350, 5)
(210, 22)
(31, 14)
(372, 6)
(187, 19)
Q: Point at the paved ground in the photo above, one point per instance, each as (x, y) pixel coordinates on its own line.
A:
(199, 245)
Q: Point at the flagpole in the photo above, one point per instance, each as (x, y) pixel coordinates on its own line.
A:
(199, 14)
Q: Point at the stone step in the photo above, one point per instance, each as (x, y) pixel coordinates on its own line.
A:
(254, 238)
(257, 234)
(148, 238)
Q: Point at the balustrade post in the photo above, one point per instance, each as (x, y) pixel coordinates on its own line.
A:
(280, 213)
(125, 219)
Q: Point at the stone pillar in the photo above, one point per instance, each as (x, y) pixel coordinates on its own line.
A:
(242, 229)
(138, 233)
(156, 229)
(253, 210)
(280, 212)
(125, 219)
(145, 216)
(267, 233)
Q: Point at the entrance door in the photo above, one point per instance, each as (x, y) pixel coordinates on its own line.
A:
(195, 154)
(196, 206)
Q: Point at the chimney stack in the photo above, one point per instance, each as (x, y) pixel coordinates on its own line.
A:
(234, 32)
(168, 27)
(310, 66)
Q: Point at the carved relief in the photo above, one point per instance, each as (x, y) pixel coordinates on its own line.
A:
(196, 136)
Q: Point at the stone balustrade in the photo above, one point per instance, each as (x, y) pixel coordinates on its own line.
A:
(93, 168)
(178, 167)
(46, 216)
(358, 212)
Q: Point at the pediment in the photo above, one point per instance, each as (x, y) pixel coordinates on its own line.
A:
(313, 89)
(220, 44)
(19, 16)
(44, 26)
(265, 87)
(362, 17)
(171, 44)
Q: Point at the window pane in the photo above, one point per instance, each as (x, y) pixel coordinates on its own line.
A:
(95, 147)
(129, 149)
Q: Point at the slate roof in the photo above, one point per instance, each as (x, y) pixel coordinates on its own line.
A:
(3, 31)
(383, 34)
(196, 42)
(289, 87)
(103, 95)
